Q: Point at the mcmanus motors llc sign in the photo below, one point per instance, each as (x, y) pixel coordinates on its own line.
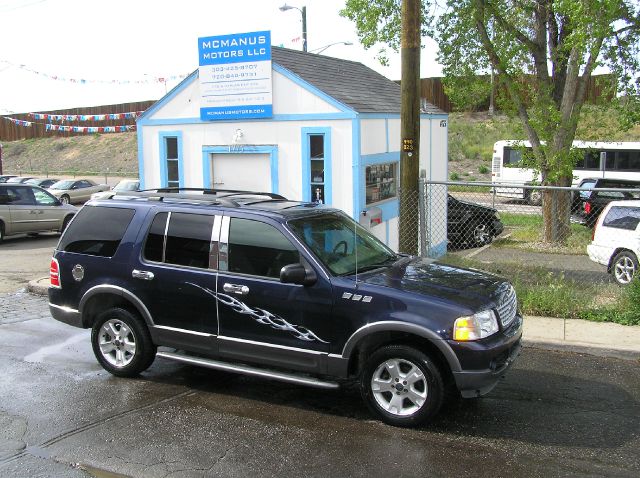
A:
(235, 76)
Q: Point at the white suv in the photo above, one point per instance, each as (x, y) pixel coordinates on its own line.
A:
(616, 240)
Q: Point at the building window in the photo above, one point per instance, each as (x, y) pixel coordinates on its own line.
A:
(381, 182)
(172, 159)
(317, 159)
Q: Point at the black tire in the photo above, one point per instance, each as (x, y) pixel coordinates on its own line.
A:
(480, 234)
(1, 231)
(65, 199)
(110, 348)
(427, 386)
(65, 223)
(624, 267)
(534, 197)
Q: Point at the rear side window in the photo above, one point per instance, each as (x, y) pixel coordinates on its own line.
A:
(187, 242)
(96, 231)
(623, 218)
(259, 249)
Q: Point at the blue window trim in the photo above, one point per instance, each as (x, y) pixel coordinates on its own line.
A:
(355, 168)
(390, 207)
(162, 136)
(270, 149)
(306, 163)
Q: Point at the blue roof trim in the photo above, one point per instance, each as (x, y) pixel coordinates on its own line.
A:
(168, 97)
(312, 89)
(286, 117)
(397, 115)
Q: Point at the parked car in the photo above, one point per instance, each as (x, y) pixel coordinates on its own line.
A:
(6, 177)
(44, 183)
(589, 202)
(19, 179)
(122, 186)
(71, 191)
(30, 209)
(616, 240)
(470, 223)
(253, 283)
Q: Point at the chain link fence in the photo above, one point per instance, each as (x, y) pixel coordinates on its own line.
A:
(536, 237)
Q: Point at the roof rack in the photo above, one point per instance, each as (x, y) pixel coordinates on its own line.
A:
(217, 192)
(211, 197)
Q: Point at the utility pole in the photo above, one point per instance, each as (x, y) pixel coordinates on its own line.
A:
(304, 28)
(409, 126)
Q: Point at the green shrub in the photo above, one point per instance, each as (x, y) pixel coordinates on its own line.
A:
(454, 176)
(483, 169)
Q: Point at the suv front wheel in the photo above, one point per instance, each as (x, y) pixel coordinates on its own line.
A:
(402, 385)
(122, 343)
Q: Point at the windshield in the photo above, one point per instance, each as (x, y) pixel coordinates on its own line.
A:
(127, 186)
(64, 184)
(332, 237)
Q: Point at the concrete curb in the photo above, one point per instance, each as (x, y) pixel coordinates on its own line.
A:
(39, 286)
(582, 336)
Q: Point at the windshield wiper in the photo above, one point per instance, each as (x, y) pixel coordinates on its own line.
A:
(376, 265)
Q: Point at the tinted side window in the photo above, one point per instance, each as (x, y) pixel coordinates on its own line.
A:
(154, 244)
(189, 240)
(259, 249)
(623, 218)
(96, 231)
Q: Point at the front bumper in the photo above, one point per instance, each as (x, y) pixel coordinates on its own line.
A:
(496, 356)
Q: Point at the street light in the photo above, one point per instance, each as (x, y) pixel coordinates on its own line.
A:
(286, 7)
(323, 48)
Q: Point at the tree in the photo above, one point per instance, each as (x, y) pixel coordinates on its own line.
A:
(558, 42)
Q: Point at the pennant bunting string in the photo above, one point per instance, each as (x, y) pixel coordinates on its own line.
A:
(83, 81)
(76, 129)
(100, 117)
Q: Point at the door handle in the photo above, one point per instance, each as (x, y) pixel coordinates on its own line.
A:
(236, 289)
(144, 275)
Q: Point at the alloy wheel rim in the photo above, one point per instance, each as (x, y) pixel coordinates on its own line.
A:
(481, 234)
(117, 343)
(399, 387)
(624, 270)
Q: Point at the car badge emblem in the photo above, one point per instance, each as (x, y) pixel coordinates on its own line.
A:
(77, 272)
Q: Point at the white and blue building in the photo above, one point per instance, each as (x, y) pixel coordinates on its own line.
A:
(333, 135)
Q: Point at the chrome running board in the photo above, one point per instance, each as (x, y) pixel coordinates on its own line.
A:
(247, 370)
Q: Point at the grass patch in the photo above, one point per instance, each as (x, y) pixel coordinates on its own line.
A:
(541, 292)
(526, 233)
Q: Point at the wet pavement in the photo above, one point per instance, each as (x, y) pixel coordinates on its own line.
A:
(555, 414)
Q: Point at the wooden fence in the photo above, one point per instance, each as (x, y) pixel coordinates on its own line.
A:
(12, 132)
(432, 89)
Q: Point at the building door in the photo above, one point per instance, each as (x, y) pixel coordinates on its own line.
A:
(245, 172)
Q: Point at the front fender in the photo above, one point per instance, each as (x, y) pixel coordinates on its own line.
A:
(414, 329)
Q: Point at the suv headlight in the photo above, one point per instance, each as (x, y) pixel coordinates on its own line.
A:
(476, 326)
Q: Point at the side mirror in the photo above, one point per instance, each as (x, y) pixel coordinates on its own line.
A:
(297, 274)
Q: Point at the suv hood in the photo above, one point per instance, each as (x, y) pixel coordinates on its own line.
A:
(471, 288)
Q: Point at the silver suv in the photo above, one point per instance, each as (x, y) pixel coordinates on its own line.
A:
(30, 209)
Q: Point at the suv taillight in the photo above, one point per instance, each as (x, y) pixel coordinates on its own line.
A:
(587, 207)
(54, 273)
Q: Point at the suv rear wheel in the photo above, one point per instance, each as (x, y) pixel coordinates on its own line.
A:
(402, 385)
(624, 267)
(122, 343)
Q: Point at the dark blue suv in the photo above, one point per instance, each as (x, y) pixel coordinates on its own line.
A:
(260, 285)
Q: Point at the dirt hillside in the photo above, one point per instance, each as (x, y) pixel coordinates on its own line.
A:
(77, 155)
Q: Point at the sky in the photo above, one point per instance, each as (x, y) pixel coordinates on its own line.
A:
(135, 42)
